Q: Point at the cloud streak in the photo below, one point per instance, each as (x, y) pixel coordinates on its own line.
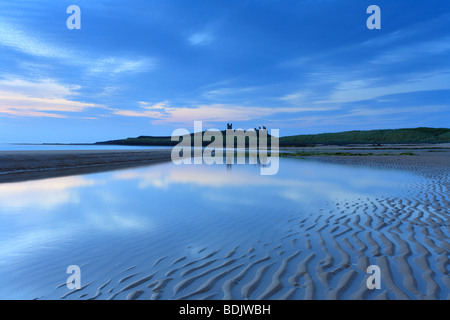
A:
(45, 98)
(164, 114)
(115, 65)
(200, 38)
(14, 38)
(33, 44)
(364, 89)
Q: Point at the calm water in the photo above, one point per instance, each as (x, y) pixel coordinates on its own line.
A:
(109, 222)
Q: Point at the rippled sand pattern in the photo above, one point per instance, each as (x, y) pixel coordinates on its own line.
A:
(318, 255)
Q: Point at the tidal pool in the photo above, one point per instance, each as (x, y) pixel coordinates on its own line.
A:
(170, 232)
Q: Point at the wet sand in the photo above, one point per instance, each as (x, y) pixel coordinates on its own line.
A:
(407, 237)
(27, 165)
(316, 255)
(319, 255)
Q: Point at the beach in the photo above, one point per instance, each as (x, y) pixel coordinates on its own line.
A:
(407, 236)
(27, 165)
(228, 251)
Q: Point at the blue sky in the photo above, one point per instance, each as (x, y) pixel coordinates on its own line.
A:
(149, 67)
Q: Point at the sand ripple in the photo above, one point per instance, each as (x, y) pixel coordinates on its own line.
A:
(319, 255)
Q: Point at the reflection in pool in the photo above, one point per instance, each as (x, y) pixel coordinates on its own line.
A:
(167, 224)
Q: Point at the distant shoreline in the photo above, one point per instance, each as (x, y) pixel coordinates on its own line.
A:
(373, 138)
(420, 135)
(28, 165)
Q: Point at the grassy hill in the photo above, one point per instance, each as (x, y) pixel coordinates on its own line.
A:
(394, 136)
(158, 141)
(142, 141)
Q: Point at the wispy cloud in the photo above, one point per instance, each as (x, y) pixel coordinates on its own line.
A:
(114, 65)
(366, 88)
(373, 118)
(163, 113)
(411, 52)
(157, 106)
(387, 112)
(139, 114)
(14, 38)
(44, 98)
(228, 92)
(146, 110)
(200, 38)
(36, 45)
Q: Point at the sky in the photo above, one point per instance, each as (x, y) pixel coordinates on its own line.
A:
(148, 67)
